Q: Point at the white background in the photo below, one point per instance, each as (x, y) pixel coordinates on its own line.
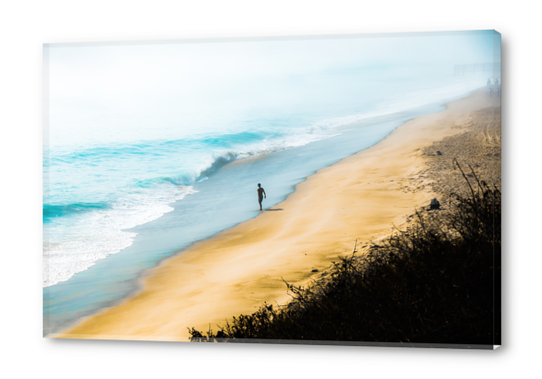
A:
(25, 25)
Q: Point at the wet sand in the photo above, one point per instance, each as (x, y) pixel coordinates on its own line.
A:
(357, 199)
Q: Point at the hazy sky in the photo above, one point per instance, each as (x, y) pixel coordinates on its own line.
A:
(89, 85)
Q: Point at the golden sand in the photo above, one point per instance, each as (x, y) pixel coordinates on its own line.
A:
(359, 198)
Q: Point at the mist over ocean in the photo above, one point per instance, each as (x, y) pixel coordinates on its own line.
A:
(140, 140)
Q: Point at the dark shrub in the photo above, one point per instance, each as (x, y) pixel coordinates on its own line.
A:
(436, 282)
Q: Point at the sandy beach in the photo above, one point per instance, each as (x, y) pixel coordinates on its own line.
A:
(357, 199)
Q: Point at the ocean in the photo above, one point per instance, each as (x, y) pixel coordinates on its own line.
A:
(129, 185)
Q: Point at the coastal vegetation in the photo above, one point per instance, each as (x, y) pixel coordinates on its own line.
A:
(435, 280)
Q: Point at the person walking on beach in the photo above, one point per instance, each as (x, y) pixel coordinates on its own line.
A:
(261, 195)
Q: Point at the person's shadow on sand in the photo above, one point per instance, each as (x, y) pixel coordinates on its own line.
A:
(273, 210)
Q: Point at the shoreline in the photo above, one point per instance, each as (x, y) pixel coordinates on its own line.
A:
(122, 273)
(236, 270)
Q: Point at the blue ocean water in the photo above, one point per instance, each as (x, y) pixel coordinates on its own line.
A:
(135, 191)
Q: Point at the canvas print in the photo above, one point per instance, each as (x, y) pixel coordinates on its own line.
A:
(314, 190)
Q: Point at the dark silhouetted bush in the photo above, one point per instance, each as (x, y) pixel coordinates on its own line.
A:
(436, 282)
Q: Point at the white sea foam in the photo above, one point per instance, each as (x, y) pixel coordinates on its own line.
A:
(85, 239)
(331, 127)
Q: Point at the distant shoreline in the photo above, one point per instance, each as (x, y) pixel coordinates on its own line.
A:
(235, 271)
